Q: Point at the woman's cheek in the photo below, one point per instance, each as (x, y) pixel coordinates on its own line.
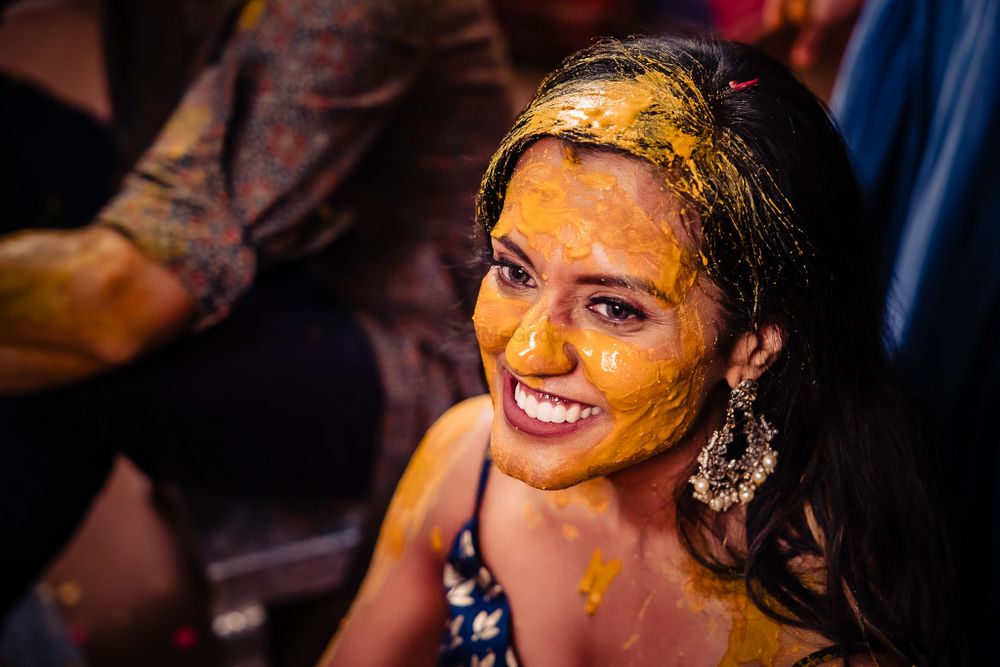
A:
(496, 318)
(654, 400)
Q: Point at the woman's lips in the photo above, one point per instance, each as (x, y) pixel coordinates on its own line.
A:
(541, 414)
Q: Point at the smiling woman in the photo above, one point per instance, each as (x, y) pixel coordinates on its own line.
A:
(702, 460)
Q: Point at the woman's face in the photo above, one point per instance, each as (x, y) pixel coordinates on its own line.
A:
(596, 338)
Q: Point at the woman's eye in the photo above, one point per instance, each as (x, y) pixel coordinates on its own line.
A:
(513, 274)
(617, 311)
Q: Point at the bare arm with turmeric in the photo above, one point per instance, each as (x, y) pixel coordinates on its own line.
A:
(78, 303)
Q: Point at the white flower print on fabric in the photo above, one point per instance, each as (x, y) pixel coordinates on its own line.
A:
(484, 625)
(454, 629)
(451, 577)
(487, 585)
(511, 660)
(465, 544)
(488, 660)
(458, 594)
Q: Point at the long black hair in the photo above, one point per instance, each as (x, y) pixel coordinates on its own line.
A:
(755, 154)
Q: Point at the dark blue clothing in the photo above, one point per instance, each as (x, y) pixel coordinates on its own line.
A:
(918, 102)
(479, 624)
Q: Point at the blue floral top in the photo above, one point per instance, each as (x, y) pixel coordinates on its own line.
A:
(479, 631)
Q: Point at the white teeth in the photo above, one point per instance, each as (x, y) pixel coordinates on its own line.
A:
(555, 413)
(531, 406)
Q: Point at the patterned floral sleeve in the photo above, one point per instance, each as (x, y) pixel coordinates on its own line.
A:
(263, 137)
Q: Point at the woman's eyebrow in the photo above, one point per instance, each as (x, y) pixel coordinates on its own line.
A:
(626, 282)
(516, 249)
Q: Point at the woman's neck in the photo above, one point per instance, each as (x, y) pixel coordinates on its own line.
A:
(644, 494)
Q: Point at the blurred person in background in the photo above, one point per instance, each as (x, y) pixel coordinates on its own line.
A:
(268, 303)
(918, 100)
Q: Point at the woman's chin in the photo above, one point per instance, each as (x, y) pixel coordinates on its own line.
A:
(537, 476)
(547, 470)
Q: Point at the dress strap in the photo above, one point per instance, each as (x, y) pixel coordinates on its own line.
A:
(484, 475)
(819, 657)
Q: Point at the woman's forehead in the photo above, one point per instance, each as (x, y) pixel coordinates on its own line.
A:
(598, 210)
(630, 198)
(629, 172)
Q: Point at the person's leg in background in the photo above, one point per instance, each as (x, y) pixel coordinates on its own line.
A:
(282, 399)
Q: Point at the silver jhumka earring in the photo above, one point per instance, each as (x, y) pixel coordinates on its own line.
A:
(720, 482)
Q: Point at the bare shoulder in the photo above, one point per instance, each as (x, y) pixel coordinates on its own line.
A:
(437, 491)
(460, 427)
(397, 616)
(456, 443)
(448, 462)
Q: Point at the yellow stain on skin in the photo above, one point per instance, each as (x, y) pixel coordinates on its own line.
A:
(418, 490)
(593, 494)
(754, 637)
(570, 532)
(546, 207)
(630, 642)
(645, 606)
(597, 578)
(532, 515)
(437, 540)
(38, 298)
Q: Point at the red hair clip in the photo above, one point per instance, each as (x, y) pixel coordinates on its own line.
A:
(744, 84)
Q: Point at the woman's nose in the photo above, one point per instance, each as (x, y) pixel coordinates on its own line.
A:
(537, 348)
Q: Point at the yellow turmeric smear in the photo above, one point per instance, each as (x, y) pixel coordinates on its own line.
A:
(754, 637)
(597, 578)
(594, 495)
(645, 606)
(570, 532)
(532, 515)
(437, 540)
(547, 197)
(418, 489)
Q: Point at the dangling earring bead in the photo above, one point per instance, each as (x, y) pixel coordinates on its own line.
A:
(720, 482)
